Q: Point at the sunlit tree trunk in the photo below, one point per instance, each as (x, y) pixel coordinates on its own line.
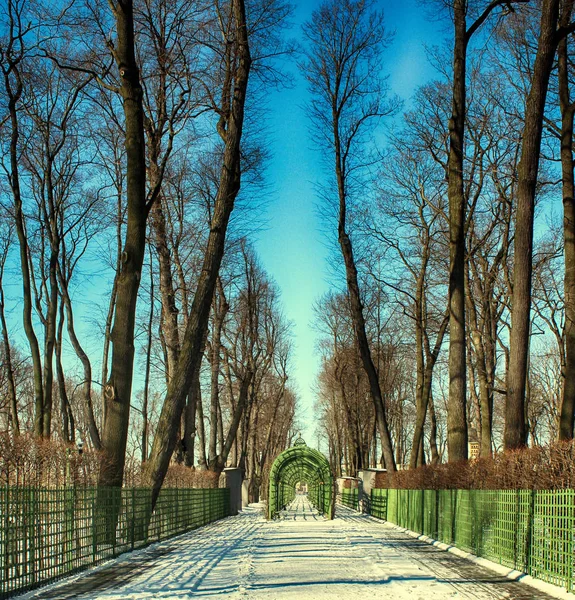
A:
(118, 388)
(515, 435)
(567, 413)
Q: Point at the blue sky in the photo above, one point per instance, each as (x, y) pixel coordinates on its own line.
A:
(294, 247)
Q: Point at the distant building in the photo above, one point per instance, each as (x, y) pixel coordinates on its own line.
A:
(473, 444)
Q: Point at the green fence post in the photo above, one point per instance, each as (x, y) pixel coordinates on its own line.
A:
(32, 533)
(94, 525)
(570, 525)
(4, 538)
(133, 523)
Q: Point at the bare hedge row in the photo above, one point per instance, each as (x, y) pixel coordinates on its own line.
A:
(541, 468)
(30, 462)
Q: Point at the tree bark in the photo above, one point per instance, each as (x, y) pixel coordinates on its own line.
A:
(426, 391)
(229, 185)
(167, 293)
(145, 425)
(435, 458)
(567, 412)
(485, 385)
(8, 366)
(219, 310)
(190, 430)
(457, 403)
(118, 389)
(68, 424)
(200, 426)
(86, 366)
(515, 425)
(14, 88)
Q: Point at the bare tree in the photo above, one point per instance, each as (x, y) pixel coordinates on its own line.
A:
(6, 233)
(13, 54)
(118, 388)
(457, 413)
(549, 37)
(346, 40)
(237, 59)
(567, 107)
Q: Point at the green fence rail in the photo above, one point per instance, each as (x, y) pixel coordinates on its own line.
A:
(529, 530)
(46, 534)
(349, 498)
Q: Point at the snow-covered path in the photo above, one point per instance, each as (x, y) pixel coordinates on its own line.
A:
(300, 556)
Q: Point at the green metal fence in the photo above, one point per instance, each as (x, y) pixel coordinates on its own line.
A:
(46, 534)
(529, 530)
(349, 498)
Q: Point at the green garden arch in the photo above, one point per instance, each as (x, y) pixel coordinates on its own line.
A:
(300, 463)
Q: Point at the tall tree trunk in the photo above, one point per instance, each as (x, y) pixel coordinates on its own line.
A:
(457, 435)
(190, 430)
(64, 402)
(515, 426)
(200, 425)
(357, 308)
(50, 341)
(8, 366)
(567, 413)
(145, 424)
(167, 292)
(219, 310)
(433, 432)
(456, 409)
(14, 88)
(478, 338)
(229, 185)
(118, 389)
(112, 303)
(86, 366)
(420, 404)
(426, 391)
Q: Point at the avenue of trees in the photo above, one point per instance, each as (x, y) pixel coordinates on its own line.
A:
(455, 219)
(131, 185)
(134, 310)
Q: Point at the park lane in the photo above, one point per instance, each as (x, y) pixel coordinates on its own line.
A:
(299, 556)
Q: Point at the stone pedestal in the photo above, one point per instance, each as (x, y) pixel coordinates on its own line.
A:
(367, 477)
(233, 480)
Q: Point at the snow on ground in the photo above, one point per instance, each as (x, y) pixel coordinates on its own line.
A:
(299, 556)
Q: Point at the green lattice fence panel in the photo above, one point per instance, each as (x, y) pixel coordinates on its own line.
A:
(46, 534)
(350, 498)
(551, 556)
(414, 516)
(463, 517)
(531, 531)
(430, 515)
(446, 521)
(378, 504)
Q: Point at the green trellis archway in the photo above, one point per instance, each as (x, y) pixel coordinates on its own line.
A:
(301, 464)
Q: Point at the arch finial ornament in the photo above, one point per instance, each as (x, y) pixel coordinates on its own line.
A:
(300, 441)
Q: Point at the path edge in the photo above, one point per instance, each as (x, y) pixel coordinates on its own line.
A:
(512, 574)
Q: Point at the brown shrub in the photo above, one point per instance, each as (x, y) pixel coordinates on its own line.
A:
(542, 468)
(349, 484)
(27, 461)
(180, 476)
